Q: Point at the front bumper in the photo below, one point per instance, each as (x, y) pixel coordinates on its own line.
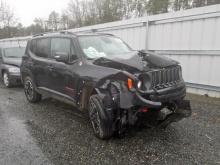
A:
(15, 78)
(166, 102)
(152, 99)
(165, 116)
(182, 110)
(171, 93)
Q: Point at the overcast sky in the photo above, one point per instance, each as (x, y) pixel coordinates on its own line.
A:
(27, 10)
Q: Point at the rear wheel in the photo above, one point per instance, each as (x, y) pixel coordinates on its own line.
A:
(32, 95)
(101, 119)
(6, 80)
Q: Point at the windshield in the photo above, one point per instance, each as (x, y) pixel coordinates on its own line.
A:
(101, 46)
(17, 52)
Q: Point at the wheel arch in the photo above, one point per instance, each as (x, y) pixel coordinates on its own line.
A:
(25, 73)
(87, 92)
(2, 71)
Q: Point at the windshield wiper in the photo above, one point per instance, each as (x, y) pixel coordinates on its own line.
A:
(90, 58)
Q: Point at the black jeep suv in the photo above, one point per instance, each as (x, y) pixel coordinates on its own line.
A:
(10, 61)
(102, 74)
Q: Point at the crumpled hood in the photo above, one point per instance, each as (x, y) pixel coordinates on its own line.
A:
(135, 61)
(156, 60)
(15, 62)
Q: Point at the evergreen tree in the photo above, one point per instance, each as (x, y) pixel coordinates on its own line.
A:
(199, 3)
(157, 6)
(213, 2)
(181, 4)
(109, 10)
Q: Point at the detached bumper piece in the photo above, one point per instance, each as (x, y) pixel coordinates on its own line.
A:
(182, 110)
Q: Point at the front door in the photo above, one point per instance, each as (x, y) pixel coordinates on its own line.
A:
(60, 75)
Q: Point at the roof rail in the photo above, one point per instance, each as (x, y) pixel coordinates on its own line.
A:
(106, 34)
(58, 32)
(66, 32)
(100, 33)
(41, 34)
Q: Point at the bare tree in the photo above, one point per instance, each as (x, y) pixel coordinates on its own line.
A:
(54, 20)
(40, 22)
(75, 12)
(2, 11)
(64, 20)
(9, 19)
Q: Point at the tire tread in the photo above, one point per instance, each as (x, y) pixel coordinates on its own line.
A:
(106, 119)
(37, 96)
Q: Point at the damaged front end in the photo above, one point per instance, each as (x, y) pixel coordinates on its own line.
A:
(174, 112)
(152, 91)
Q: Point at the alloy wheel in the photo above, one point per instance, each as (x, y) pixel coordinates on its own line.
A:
(6, 79)
(94, 116)
(29, 90)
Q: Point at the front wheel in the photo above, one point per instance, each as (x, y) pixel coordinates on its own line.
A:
(32, 95)
(6, 80)
(101, 119)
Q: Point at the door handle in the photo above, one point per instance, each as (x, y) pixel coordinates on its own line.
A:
(50, 67)
(31, 64)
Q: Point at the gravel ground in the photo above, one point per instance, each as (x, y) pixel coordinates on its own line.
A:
(52, 132)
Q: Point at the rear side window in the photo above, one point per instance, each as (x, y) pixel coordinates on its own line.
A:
(59, 45)
(40, 47)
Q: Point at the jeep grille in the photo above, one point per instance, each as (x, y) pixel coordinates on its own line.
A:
(165, 78)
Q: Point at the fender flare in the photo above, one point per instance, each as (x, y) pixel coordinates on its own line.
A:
(28, 72)
(100, 93)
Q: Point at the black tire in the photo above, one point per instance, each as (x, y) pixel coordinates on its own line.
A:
(6, 79)
(101, 119)
(32, 95)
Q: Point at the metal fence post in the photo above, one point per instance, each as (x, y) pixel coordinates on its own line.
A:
(147, 35)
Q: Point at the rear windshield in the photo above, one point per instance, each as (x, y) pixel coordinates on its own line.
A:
(17, 52)
(101, 46)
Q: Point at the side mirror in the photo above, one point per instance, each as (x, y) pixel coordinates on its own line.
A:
(24, 57)
(61, 57)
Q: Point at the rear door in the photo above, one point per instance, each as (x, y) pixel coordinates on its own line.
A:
(39, 51)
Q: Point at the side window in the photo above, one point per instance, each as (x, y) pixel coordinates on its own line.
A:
(40, 47)
(33, 46)
(60, 45)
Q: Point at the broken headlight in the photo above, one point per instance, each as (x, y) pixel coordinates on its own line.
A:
(139, 84)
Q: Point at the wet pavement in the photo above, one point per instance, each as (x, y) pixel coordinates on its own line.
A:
(52, 132)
